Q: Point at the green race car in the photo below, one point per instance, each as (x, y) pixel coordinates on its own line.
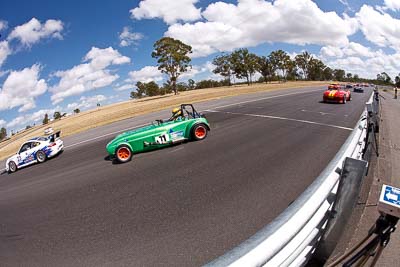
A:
(185, 124)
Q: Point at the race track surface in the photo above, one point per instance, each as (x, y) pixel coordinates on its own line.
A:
(180, 206)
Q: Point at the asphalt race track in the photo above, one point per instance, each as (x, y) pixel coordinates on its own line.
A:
(180, 206)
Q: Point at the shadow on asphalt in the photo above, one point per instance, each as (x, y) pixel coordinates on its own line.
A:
(56, 156)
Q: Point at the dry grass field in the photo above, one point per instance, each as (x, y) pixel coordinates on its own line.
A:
(131, 108)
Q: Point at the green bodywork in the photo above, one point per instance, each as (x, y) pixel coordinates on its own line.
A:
(157, 135)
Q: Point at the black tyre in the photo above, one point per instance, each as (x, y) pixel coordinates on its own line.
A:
(12, 167)
(41, 156)
(123, 154)
(199, 132)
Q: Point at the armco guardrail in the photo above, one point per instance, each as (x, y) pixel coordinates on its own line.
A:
(291, 239)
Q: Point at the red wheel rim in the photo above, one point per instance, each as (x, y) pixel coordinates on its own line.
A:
(123, 153)
(200, 132)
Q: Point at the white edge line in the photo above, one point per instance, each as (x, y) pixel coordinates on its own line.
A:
(283, 118)
(264, 98)
(104, 135)
(238, 103)
(223, 106)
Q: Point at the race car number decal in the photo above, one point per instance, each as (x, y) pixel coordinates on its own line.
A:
(332, 94)
(162, 139)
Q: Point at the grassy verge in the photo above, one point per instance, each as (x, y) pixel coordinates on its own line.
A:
(131, 108)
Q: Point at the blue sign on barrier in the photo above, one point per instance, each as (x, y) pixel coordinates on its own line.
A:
(391, 195)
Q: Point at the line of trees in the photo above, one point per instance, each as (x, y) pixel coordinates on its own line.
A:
(3, 133)
(277, 66)
(173, 59)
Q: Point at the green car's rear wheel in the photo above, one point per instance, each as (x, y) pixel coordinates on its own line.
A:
(123, 153)
(199, 132)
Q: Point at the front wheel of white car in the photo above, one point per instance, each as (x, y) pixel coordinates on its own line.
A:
(12, 167)
(41, 156)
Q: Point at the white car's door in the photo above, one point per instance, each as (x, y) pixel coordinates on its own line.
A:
(26, 154)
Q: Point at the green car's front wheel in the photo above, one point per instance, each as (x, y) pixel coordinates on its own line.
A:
(123, 153)
(199, 132)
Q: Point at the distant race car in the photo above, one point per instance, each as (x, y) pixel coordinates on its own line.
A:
(185, 124)
(37, 149)
(336, 96)
(349, 86)
(335, 86)
(358, 90)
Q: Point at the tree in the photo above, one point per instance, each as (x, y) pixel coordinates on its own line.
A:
(349, 76)
(172, 58)
(223, 66)
(291, 70)
(385, 78)
(3, 133)
(27, 127)
(316, 70)
(397, 80)
(303, 61)
(339, 74)
(191, 84)
(146, 89)
(244, 64)
(265, 68)
(77, 110)
(281, 60)
(46, 119)
(57, 115)
(327, 74)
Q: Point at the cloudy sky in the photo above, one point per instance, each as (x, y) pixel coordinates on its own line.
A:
(62, 55)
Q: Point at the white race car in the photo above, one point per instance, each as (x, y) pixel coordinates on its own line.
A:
(37, 149)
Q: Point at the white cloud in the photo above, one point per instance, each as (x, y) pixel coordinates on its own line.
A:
(392, 4)
(88, 76)
(87, 102)
(253, 22)
(21, 88)
(368, 67)
(379, 28)
(197, 70)
(128, 38)
(2, 123)
(125, 87)
(28, 119)
(32, 31)
(351, 49)
(5, 51)
(3, 25)
(346, 4)
(170, 12)
(146, 74)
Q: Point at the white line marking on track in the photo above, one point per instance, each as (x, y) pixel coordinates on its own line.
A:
(264, 98)
(321, 112)
(223, 106)
(233, 104)
(104, 135)
(283, 118)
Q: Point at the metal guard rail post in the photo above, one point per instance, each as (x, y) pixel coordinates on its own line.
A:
(290, 239)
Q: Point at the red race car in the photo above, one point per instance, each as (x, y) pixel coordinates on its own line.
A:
(335, 86)
(336, 95)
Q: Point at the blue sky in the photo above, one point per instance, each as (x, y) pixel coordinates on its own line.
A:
(61, 55)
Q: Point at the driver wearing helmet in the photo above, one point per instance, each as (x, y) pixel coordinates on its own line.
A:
(176, 114)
